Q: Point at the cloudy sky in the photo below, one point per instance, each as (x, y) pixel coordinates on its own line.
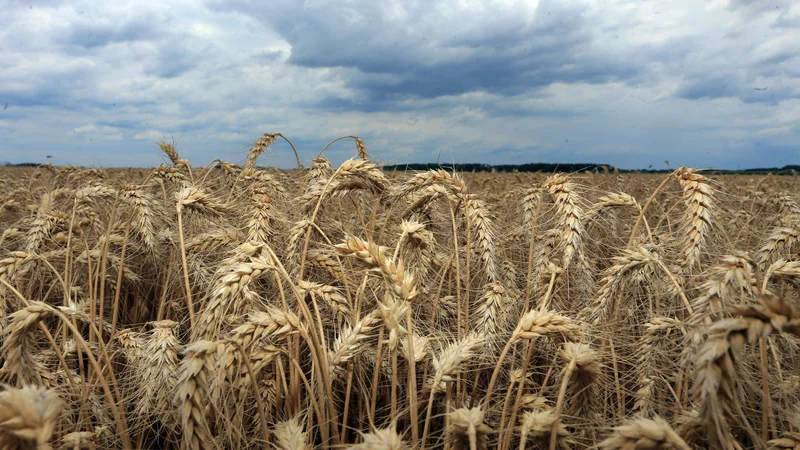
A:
(625, 82)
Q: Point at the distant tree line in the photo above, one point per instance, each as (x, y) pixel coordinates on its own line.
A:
(570, 168)
(476, 167)
(545, 168)
(21, 165)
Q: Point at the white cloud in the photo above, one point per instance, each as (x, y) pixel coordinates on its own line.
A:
(102, 132)
(233, 137)
(150, 135)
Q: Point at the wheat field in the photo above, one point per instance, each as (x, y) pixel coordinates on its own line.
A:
(237, 307)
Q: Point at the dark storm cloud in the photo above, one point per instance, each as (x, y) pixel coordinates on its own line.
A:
(507, 73)
(388, 55)
(426, 54)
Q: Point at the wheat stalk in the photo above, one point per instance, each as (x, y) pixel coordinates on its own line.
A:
(171, 174)
(331, 295)
(169, 150)
(193, 198)
(582, 381)
(727, 279)
(610, 201)
(483, 233)
(19, 347)
(546, 323)
(144, 214)
(448, 364)
(453, 183)
(353, 174)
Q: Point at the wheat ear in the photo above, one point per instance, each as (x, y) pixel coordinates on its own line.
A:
(291, 435)
(191, 396)
(467, 430)
(655, 434)
(715, 381)
(259, 227)
(157, 368)
(228, 296)
(384, 439)
(697, 196)
(447, 364)
(781, 239)
(571, 216)
(28, 416)
(348, 344)
(636, 263)
(537, 426)
(258, 148)
(400, 281)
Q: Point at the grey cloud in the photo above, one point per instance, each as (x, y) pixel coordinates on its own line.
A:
(171, 60)
(52, 86)
(524, 104)
(759, 7)
(31, 4)
(787, 19)
(748, 89)
(92, 33)
(268, 57)
(710, 87)
(564, 81)
(767, 94)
